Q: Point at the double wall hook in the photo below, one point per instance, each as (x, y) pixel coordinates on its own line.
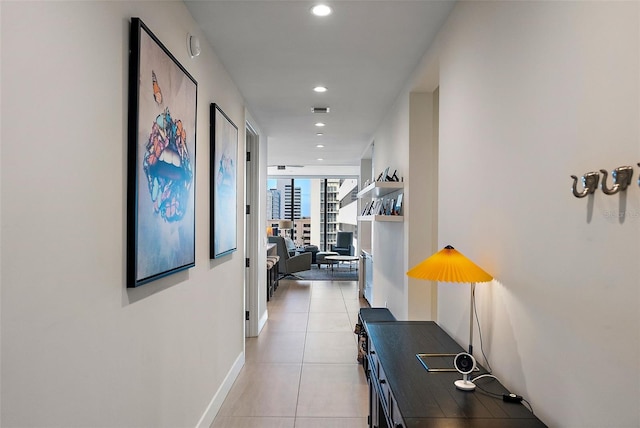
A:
(589, 184)
(621, 179)
(622, 176)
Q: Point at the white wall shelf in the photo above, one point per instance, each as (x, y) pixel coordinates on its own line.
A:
(396, 218)
(378, 189)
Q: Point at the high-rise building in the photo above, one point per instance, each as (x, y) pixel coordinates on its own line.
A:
(273, 204)
(348, 207)
(332, 208)
(302, 232)
(296, 206)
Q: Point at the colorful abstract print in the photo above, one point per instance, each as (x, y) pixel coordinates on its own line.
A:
(167, 164)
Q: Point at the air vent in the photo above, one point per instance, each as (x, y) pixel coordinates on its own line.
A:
(281, 167)
(320, 109)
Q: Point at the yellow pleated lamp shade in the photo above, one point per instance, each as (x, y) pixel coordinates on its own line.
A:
(449, 265)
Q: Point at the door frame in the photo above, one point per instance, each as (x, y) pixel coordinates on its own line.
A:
(251, 237)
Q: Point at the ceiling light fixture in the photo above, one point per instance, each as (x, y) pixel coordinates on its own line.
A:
(320, 159)
(320, 124)
(320, 89)
(319, 134)
(321, 10)
(320, 146)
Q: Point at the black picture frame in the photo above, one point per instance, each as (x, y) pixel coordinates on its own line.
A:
(161, 160)
(223, 184)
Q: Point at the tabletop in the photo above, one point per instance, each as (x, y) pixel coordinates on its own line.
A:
(343, 258)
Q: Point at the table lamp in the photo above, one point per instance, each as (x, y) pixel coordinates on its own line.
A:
(285, 225)
(449, 265)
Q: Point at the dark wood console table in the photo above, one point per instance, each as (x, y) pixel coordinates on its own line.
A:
(403, 394)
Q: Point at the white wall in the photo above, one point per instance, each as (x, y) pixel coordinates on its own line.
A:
(420, 212)
(388, 238)
(406, 141)
(364, 227)
(78, 348)
(530, 93)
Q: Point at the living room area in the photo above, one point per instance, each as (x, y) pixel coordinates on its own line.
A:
(316, 220)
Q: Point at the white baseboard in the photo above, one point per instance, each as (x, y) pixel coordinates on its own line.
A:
(216, 402)
(263, 321)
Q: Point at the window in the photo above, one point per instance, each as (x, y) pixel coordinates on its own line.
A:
(314, 205)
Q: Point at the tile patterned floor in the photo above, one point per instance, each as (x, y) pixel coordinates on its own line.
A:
(302, 372)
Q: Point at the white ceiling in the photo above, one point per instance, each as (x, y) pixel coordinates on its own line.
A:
(276, 51)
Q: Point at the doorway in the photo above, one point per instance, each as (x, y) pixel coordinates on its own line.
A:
(252, 270)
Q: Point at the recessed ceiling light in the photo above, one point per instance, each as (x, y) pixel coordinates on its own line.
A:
(320, 89)
(320, 159)
(321, 10)
(320, 146)
(320, 124)
(319, 134)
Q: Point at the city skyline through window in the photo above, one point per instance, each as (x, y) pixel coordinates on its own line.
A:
(305, 192)
(313, 205)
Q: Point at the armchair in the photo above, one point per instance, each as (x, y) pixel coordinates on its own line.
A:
(288, 265)
(291, 246)
(344, 244)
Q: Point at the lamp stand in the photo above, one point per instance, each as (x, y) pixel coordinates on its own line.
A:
(473, 289)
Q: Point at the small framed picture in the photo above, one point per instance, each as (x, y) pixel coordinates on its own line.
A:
(374, 208)
(370, 208)
(378, 209)
(367, 208)
(398, 205)
(385, 174)
(223, 187)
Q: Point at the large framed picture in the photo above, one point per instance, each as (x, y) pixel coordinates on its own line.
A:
(161, 161)
(223, 177)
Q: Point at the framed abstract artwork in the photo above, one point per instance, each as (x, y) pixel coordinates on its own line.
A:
(161, 161)
(223, 177)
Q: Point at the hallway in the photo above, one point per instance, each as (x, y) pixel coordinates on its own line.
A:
(302, 370)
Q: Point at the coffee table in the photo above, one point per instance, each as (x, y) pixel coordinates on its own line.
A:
(339, 259)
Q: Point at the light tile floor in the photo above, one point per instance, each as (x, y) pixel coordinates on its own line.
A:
(302, 371)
